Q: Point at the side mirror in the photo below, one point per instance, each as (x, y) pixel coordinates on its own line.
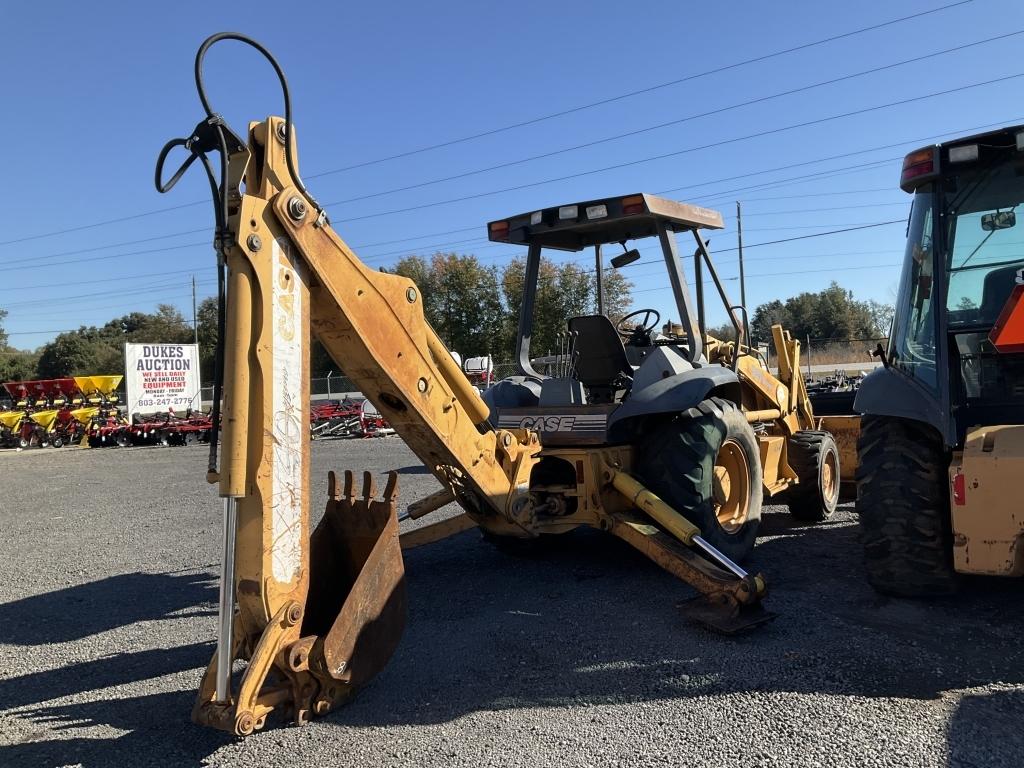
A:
(990, 222)
(625, 258)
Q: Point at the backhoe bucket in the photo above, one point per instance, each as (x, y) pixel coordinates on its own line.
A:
(351, 623)
(356, 604)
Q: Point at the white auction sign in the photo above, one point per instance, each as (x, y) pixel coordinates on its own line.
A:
(161, 377)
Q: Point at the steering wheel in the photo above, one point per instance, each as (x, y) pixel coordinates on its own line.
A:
(643, 328)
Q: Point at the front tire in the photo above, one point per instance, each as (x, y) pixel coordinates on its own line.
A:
(706, 465)
(814, 456)
(903, 504)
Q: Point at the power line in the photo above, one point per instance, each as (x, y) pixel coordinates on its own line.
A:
(93, 294)
(653, 261)
(689, 118)
(532, 121)
(663, 156)
(106, 279)
(630, 94)
(779, 274)
(34, 262)
(759, 186)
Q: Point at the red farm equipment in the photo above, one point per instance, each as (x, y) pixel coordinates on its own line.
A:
(346, 419)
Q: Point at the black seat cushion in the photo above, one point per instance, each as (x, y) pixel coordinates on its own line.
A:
(601, 357)
(999, 284)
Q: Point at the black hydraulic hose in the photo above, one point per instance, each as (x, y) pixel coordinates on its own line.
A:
(201, 88)
(213, 134)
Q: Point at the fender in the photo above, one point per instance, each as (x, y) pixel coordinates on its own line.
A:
(674, 394)
(885, 392)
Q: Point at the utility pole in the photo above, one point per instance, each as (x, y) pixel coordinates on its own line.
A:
(195, 322)
(600, 278)
(739, 237)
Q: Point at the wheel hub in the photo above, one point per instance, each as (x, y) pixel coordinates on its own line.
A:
(731, 486)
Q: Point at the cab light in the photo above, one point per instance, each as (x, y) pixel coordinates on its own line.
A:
(498, 230)
(1007, 335)
(536, 218)
(597, 211)
(918, 164)
(1020, 141)
(633, 205)
(568, 212)
(965, 154)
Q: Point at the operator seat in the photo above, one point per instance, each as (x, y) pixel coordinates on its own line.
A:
(601, 365)
(999, 284)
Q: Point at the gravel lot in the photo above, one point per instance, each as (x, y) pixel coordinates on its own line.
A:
(107, 615)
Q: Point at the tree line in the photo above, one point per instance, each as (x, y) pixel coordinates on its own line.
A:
(473, 307)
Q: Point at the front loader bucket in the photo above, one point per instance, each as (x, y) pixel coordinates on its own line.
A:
(356, 605)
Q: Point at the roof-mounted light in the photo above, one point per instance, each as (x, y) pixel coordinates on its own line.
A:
(536, 218)
(498, 230)
(568, 212)
(918, 164)
(597, 212)
(633, 205)
(965, 154)
(1020, 141)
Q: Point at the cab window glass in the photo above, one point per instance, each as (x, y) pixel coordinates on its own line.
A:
(912, 347)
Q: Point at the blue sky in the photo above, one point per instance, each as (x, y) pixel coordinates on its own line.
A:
(93, 92)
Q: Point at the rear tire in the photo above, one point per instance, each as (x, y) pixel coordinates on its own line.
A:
(679, 462)
(814, 456)
(903, 503)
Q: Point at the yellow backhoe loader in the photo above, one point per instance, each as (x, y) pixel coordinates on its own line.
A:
(669, 442)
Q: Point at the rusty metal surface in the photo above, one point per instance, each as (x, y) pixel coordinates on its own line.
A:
(357, 598)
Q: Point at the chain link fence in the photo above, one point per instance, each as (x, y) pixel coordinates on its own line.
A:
(326, 388)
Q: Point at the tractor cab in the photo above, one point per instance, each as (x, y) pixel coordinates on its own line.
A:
(956, 345)
(605, 375)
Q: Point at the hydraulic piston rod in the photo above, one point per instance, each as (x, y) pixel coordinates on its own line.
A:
(227, 602)
(671, 520)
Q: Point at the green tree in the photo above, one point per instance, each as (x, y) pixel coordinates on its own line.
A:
(563, 291)
(832, 313)
(92, 350)
(461, 300)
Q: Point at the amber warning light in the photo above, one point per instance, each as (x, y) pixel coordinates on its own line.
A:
(1008, 333)
(916, 164)
(499, 230)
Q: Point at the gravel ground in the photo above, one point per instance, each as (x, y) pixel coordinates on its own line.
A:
(107, 616)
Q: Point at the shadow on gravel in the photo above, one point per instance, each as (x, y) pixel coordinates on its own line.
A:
(159, 734)
(595, 623)
(97, 674)
(591, 623)
(159, 731)
(98, 606)
(985, 728)
(414, 469)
